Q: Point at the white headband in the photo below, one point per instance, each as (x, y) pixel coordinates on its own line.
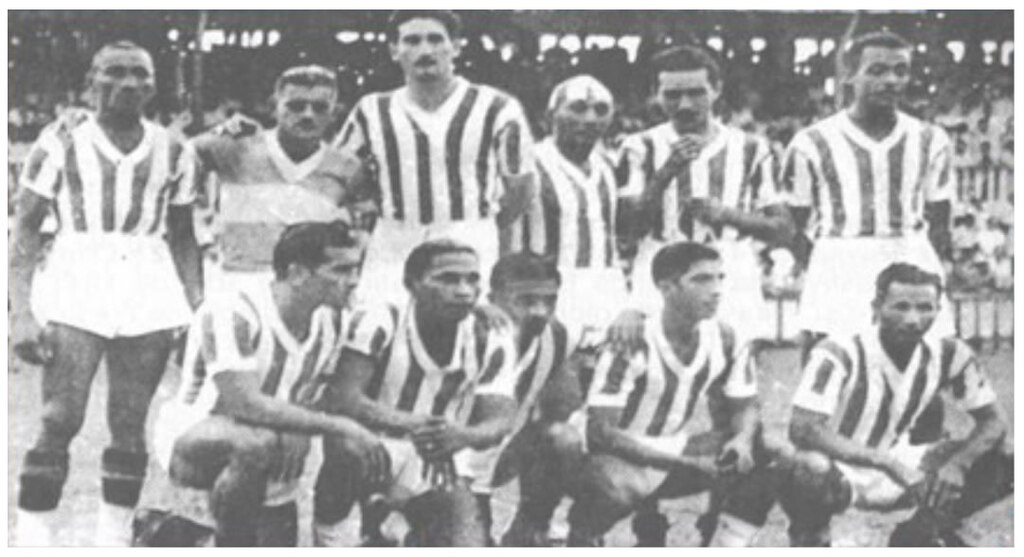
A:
(579, 88)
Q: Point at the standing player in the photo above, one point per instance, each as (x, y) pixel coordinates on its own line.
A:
(876, 183)
(259, 181)
(112, 286)
(702, 181)
(572, 219)
(639, 446)
(856, 407)
(433, 380)
(256, 366)
(451, 156)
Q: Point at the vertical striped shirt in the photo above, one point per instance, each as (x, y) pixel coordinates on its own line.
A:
(408, 379)
(98, 189)
(441, 166)
(572, 219)
(243, 332)
(658, 394)
(872, 402)
(736, 168)
(857, 186)
(542, 359)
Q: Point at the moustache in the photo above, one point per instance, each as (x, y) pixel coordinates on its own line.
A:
(425, 61)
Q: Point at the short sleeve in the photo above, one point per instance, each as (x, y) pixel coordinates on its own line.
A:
(185, 173)
(226, 332)
(824, 376)
(938, 180)
(614, 378)
(764, 188)
(43, 165)
(967, 382)
(634, 173)
(741, 370)
(372, 329)
(514, 143)
(498, 375)
(798, 177)
(353, 137)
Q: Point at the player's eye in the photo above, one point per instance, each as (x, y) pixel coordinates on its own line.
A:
(298, 106)
(602, 109)
(672, 94)
(116, 71)
(141, 73)
(578, 107)
(435, 38)
(411, 40)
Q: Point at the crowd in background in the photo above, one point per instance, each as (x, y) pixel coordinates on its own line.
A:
(971, 101)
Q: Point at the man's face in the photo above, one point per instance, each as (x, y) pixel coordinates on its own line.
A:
(424, 50)
(882, 77)
(305, 112)
(123, 81)
(687, 97)
(697, 292)
(530, 304)
(333, 281)
(582, 120)
(450, 287)
(907, 312)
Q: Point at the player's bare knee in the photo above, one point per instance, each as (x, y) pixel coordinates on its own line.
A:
(61, 423)
(561, 438)
(254, 448)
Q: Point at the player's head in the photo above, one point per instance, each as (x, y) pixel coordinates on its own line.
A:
(443, 277)
(425, 43)
(907, 300)
(121, 79)
(688, 84)
(305, 98)
(878, 69)
(525, 285)
(320, 261)
(689, 276)
(581, 111)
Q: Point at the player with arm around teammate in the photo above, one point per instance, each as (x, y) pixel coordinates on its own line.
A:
(853, 418)
(248, 405)
(640, 403)
(432, 380)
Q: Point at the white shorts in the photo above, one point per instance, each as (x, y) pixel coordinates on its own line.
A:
(742, 306)
(112, 285)
(873, 488)
(221, 281)
(174, 419)
(392, 241)
(840, 282)
(590, 300)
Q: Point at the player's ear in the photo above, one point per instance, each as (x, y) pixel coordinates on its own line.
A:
(298, 272)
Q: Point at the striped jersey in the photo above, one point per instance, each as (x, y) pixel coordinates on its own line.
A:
(658, 394)
(97, 188)
(572, 219)
(735, 167)
(408, 379)
(870, 401)
(243, 332)
(544, 357)
(439, 166)
(857, 186)
(254, 190)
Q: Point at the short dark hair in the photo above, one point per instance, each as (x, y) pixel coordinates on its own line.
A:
(304, 243)
(675, 260)
(521, 267)
(307, 76)
(687, 58)
(451, 22)
(904, 273)
(422, 257)
(885, 38)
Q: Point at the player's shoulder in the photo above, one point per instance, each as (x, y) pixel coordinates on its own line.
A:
(952, 353)
(375, 315)
(493, 93)
(725, 332)
(841, 349)
(234, 305)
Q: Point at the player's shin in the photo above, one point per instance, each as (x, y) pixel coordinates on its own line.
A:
(123, 474)
(42, 481)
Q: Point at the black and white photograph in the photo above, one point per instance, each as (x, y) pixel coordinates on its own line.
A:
(510, 278)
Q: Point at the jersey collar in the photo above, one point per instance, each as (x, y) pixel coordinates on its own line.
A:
(419, 350)
(291, 171)
(112, 153)
(442, 113)
(851, 130)
(664, 348)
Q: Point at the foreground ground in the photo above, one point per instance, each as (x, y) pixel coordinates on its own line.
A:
(993, 527)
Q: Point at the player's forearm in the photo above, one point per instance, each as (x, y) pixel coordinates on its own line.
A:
(519, 193)
(493, 424)
(378, 417)
(776, 229)
(651, 198)
(819, 438)
(187, 258)
(745, 419)
(603, 438)
(262, 410)
(25, 247)
(938, 215)
(988, 431)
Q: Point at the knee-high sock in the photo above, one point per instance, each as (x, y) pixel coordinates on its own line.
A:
(41, 483)
(123, 475)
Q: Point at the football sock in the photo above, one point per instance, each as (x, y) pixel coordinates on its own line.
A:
(733, 532)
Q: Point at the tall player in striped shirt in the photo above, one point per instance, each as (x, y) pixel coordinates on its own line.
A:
(112, 287)
(451, 157)
(572, 219)
(641, 404)
(854, 415)
(876, 184)
(256, 365)
(433, 380)
(259, 181)
(702, 181)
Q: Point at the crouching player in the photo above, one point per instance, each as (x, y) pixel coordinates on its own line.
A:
(256, 363)
(640, 404)
(432, 380)
(855, 410)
